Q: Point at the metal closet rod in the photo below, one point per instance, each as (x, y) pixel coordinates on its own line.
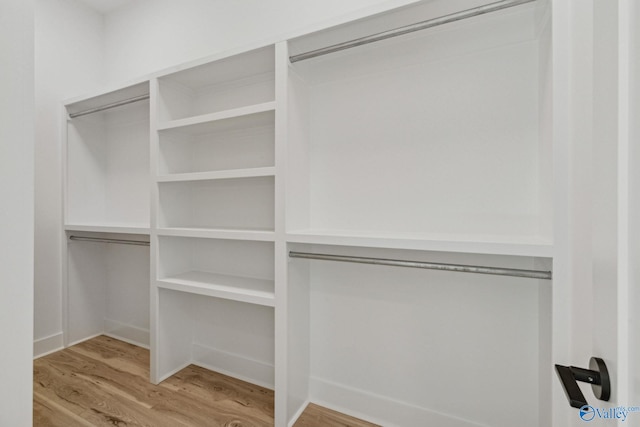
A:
(461, 268)
(105, 240)
(457, 16)
(109, 106)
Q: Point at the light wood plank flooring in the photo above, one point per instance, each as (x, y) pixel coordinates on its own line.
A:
(104, 382)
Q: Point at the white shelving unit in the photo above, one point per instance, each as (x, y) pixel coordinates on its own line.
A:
(215, 145)
(434, 146)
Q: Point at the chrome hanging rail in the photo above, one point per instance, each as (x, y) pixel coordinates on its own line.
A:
(105, 240)
(530, 274)
(457, 16)
(109, 106)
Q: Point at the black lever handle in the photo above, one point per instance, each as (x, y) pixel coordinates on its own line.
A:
(597, 375)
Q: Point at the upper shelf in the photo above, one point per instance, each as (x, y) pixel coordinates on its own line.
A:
(250, 116)
(254, 234)
(237, 67)
(239, 81)
(475, 31)
(489, 245)
(107, 100)
(143, 229)
(226, 174)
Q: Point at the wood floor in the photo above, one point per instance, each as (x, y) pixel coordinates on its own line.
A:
(104, 382)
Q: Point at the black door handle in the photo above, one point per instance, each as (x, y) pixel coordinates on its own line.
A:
(597, 375)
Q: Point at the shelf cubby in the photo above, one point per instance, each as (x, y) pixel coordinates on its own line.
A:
(238, 142)
(239, 81)
(228, 269)
(230, 337)
(236, 204)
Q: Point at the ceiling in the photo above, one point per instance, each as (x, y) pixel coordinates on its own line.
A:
(106, 6)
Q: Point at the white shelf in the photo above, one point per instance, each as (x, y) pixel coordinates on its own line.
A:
(225, 174)
(488, 245)
(110, 228)
(258, 235)
(252, 115)
(236, 288)
(106, 98)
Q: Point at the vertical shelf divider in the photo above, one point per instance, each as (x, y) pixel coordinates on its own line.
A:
(154, 297)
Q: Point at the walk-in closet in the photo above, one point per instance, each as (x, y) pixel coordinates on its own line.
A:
(377, 212)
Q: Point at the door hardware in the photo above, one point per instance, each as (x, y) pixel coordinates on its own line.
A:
(597, 375)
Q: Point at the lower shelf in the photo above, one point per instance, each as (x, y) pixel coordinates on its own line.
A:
(236, 288)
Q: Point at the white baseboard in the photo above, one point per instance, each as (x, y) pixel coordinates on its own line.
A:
(127, 333)
(234, 365)
(378, 409)
(298, 413)
(48, 345)
(173, 372)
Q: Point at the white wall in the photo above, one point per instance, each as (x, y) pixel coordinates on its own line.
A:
(68, 51)
(603, 185)
(16, 211)
(630, 79)
(150, 35)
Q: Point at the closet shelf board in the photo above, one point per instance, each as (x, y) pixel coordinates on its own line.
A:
(225, 174)
(488, 245)
(236, 288)
(223, 120)
(109, 228)
(258, 235)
